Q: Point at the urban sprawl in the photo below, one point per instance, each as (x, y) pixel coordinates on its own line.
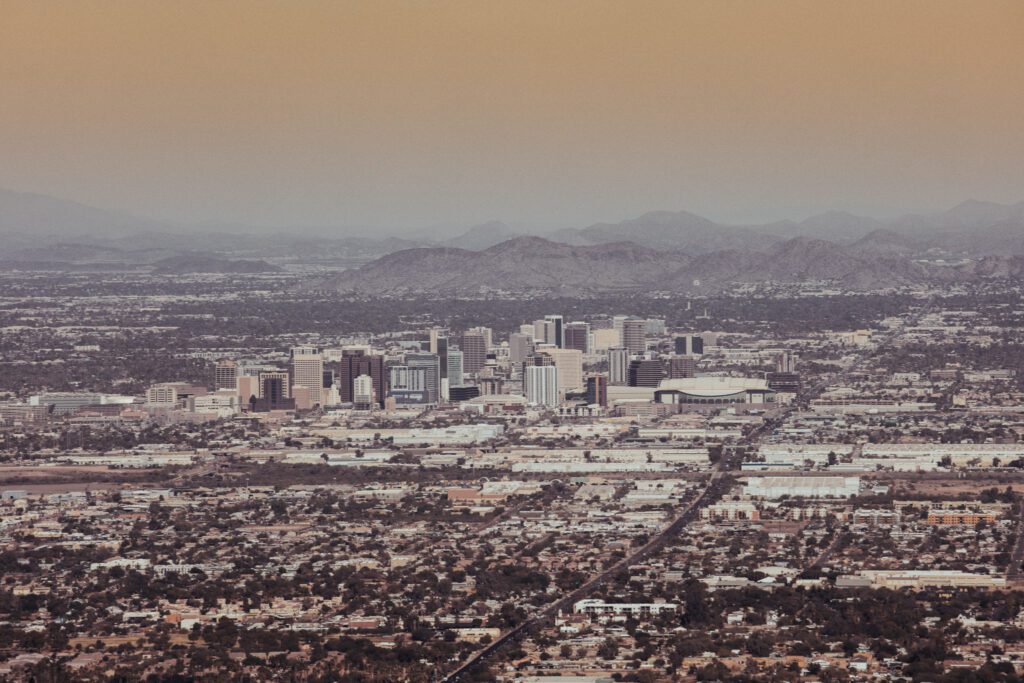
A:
(205, 477)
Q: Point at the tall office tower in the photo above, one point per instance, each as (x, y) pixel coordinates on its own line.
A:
(355, 362)
(408, 385)
(617, 322)
(785, 362)
(435, 334)
(570, 368)
(454, 368)
(440, 345)
(634, 336)
(417, 381)
(225, 375)
(689, 345)
(540, 335)
(529, 330)
(519, 347)
(597, 390)
(308, 371)
(474, 351)
(540, 385)
(248, 387)
(618, 366)
(557, 326)
(646, 372)
(606, 338)
(681, 367)
(431, 363)
(577, 336)
(363, 398)
(274, 387)
(488, 336)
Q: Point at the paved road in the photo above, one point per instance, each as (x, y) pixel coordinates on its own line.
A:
(823, 556)
(688, 514)
(652, 546)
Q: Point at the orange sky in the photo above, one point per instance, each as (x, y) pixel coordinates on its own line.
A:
(554, 112)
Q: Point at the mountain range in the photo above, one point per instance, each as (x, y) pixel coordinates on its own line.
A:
(660, 249)
(683, 252)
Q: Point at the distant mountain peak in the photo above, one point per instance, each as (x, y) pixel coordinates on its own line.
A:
(483, 236)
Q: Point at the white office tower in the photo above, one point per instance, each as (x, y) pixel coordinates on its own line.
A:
(618, 366)
(529, 330)
(308, 372)
(520, 346)
(541, 385)
(569, 363)
(363, 396)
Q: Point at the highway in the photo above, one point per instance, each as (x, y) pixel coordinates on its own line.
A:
(707, 495)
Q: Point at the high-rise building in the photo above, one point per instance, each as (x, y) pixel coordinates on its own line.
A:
(454, 368)
(540, 384)
(226, 375)
(488, 336)
(357, 362)
(435, 334)
(634, 335)
(248, 388)
(689, 345)
(540, 335)
(570, 368)
(606, 338)
(432, 364)
(618, 366)
(529, 330)
(474, 351)
(597, 390)
(617, 321)
(440, 346)
(554, 326)
(577, 336)
(363, 398)
(519, 347)
(682, 367)
(308, 371)
(275, 388)
(417, 381)
(646, 372)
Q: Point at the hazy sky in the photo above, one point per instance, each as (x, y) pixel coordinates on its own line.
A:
(551, 112)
